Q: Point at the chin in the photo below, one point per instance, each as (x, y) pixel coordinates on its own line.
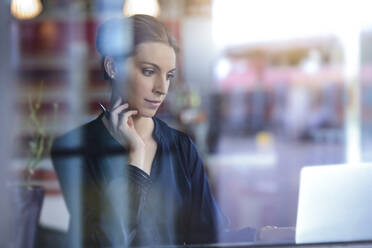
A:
(147, 113)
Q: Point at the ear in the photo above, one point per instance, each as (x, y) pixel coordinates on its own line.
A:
(109, 67)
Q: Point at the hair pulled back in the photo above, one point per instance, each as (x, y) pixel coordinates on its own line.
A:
(119, 37)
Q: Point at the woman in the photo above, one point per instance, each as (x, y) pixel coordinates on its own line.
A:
(127, 177)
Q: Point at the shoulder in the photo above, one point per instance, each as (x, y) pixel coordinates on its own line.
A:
(74, 140)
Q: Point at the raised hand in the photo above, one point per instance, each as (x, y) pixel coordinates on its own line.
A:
(121, 127)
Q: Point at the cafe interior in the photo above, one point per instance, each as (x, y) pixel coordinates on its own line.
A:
(275, 94)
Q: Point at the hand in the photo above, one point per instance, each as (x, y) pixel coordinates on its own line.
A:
(121, 127)
(274, 233)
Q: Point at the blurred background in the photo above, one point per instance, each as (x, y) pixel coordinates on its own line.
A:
(263, 87)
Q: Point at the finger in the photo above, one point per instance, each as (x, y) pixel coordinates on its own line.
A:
(120, 108)
(124, 117)
(114, 114)
(117, 103)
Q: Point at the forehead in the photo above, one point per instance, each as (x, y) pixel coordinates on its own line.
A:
(157, 53)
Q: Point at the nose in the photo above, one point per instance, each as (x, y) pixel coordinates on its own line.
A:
(161, 86)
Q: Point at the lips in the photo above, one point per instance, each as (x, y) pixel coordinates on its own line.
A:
(153, 101)
(153, 104)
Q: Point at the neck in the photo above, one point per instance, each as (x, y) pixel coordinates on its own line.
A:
(144, 126)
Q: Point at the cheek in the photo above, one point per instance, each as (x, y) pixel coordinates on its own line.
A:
(140, 85)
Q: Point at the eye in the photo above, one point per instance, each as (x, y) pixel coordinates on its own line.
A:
(170, 76)
(147, 72)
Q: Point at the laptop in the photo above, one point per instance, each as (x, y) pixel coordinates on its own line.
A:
(335, 204)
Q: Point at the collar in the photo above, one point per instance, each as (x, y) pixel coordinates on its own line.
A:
(107, 139)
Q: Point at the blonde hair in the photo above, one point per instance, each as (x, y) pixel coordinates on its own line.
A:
(120, 37)
(147, 28)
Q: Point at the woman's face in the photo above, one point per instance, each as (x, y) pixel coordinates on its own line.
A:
(150, 71)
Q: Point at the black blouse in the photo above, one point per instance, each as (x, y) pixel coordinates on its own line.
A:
(112, 203)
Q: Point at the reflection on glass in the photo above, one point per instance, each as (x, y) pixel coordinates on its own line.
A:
(22, 9)
(260, 92)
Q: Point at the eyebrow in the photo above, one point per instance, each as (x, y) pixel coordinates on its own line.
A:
(156, 66)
